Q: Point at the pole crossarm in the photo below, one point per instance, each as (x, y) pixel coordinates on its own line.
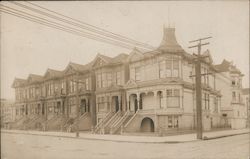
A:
(200, 39)
(198, 45)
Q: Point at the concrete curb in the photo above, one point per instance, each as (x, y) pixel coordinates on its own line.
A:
(127, 141)
(110, 140)
(217, 137)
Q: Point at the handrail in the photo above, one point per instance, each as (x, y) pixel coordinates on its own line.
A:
(84, 115)
(98, 126)
(112, 118)
(120, 122)
(131, 118)
(116, 123)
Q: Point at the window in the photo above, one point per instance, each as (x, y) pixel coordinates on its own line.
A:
(173, 98)
(99, 80)
(234, 96)
(104, 81)
(168, 68)
(162, 69)
(87, 84)
(173, 121)
(118, 78)
(101, 103)
(137, 74)
(215, 104)
(175, 72)
(233, 82)
(172, 67)
(170, 122)
(109, 79)
(206, 101)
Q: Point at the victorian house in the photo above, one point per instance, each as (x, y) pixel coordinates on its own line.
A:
(150, 91)
(233, 108)
(161, 89)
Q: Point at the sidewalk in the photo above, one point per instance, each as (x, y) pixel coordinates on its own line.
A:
(136, 139)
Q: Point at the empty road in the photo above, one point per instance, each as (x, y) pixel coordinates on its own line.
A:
(20, 146)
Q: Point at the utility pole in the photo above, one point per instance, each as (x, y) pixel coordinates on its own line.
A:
(198, 85)
(77, 106)
(77, 103)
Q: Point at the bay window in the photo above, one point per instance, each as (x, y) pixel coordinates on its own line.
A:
(173, 98)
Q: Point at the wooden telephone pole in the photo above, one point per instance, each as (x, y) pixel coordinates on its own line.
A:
(198, 85)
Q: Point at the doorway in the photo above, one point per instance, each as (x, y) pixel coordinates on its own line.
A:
(147, 125)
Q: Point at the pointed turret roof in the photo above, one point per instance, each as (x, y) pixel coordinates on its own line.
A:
(169, 42)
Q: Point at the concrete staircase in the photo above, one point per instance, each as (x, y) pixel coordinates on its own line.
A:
(56, 123)
(99, 128)
(117, 126)
(20, 123)
(36, 123)
(84, 123)
(107, 125)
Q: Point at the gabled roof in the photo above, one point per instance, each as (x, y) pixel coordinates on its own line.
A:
(226, 66)
(51, 73)
(223, 67)
(18, 82)
(78, 67)
(119, 58)
(169, 42)
(34, 78)
(110, 60)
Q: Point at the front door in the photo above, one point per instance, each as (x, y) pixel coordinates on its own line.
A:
(83, 106)
(136, 105)
(116, 104)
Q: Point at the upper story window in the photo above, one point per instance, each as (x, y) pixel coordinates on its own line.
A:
(104, 79)
(206, 101)
(215, 104)
(101, 103)
(162, 69)
(205, 77)
(234, 95)
(109, 79)
(99, 80)
(87, 83)
(137, 74)
(233, 82)
(169, 68)
(173, 98)
(118, 78)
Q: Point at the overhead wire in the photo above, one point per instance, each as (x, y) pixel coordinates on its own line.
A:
(88, 27)
(48, 23)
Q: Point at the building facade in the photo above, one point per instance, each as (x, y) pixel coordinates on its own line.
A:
(7, 113)
(137, 92)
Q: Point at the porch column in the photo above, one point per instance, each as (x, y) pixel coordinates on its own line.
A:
(157, 102)
(87, 105)
(164, 99)
(138, 100)
(119, 102)
(128, 102)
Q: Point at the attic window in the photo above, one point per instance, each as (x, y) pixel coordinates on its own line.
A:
(233, 82)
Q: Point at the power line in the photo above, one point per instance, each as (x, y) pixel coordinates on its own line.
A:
(59, 26)
(89, 25)
(109, 34)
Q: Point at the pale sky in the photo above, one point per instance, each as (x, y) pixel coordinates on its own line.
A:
(27, 47)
